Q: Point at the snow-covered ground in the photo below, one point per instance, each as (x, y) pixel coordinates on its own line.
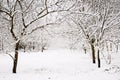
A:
(58, 65)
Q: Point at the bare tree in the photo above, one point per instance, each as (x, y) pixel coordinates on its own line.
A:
(94, 18)
(27, 16)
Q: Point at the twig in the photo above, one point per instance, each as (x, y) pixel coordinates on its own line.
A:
(9, 55)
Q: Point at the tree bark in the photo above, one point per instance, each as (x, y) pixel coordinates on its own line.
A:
(99, 63)
(93, 52)
(15, 57)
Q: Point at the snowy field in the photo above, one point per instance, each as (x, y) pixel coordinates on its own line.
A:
(58, 65)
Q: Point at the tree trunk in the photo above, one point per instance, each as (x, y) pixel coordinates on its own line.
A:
(15, 57)
(42, 49)
(93, 52)
(98, 56)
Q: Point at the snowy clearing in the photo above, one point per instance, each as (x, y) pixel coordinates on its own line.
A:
(58, 65)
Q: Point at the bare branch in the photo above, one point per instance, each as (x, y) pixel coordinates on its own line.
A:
(9, 55)
(28, 6)
(41, 12)
(46, 6)
(104, 20)
(42, 26)
(45, 15)
(6, 12)
(23, 20)
(114, 19)
(78, 24)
